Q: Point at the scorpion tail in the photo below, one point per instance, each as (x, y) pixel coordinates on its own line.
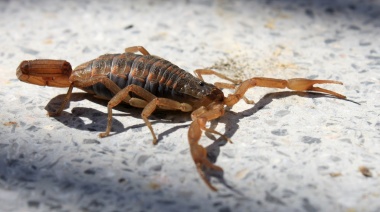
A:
(45, 72)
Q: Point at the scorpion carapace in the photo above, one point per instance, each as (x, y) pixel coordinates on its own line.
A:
(151, 83)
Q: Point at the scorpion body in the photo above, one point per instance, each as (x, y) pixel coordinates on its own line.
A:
(151, 83)
(157, 76)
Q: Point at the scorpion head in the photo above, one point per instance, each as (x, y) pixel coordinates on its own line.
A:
(199, 93)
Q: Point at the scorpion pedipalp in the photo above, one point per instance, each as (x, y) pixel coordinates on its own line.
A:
(199, 153)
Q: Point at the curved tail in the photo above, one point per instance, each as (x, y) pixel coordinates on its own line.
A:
(45, 72)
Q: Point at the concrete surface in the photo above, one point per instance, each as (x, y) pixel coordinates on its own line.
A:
(291, 151)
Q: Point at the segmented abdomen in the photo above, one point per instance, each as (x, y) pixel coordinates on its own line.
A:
(156, 75)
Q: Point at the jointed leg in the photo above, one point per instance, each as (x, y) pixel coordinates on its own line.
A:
(149, 102)
(162, 103)
(85, 83)
(119, 97)
(64, 103)
(134, 49)
(200, 72)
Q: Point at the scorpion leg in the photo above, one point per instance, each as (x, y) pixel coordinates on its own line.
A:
(162, 103)
(85, 83)
(64, 103)
(136, 102)
(119, 97)
(296, 84)
(200, 72)
(134, 49)
(149, 102)
(198, 152)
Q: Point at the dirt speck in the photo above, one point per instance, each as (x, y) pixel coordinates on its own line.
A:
(365, 171)
(335, 174)
(10, 123)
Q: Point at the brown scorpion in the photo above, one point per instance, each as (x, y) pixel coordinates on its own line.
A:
(150, 82)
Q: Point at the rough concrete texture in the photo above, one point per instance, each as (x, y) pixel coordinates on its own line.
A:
(291, 152)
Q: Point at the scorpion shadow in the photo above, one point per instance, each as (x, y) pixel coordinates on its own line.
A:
(98, 121)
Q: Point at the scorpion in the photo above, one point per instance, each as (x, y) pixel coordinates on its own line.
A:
(142, 80)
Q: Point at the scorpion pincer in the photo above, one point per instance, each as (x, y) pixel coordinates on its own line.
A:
(150, 82)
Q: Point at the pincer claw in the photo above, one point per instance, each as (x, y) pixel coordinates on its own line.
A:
(301, 84)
